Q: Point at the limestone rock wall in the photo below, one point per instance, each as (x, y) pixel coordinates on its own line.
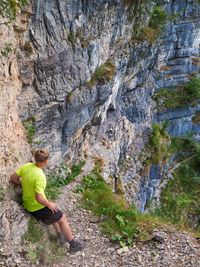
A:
(14, 149)
(69, 41)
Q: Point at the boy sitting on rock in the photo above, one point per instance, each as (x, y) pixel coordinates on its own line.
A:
(33, 181)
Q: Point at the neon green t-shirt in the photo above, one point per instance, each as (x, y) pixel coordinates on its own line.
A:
(33, 180)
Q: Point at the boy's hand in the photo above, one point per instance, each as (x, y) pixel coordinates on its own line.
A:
(15, 178)
(43, 201)
(52, 206)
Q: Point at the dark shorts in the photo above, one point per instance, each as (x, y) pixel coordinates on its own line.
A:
(47, 216)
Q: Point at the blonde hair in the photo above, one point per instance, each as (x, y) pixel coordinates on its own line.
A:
(41, 155)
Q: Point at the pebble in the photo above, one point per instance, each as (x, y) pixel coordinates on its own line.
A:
(193, 251)
(18, 260)
(94, 219)
(139, 258)
(123, 250)
(87, 238)
(111, 249)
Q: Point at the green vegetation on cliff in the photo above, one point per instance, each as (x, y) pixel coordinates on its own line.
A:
(179, 96)
(154, 29)
(103, 74)
(144, 11)
(158, 146)
(180, 199)
(8, 8)
(30, 130)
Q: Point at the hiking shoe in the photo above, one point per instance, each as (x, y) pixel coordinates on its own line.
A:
(79, 246)
(62, 241)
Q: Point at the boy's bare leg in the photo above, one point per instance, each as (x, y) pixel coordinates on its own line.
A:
(65, 228)
(60, 235)
(57, 227)
(75, 246)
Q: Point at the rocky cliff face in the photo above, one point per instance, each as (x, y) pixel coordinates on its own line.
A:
(77, 111)
(86, 84)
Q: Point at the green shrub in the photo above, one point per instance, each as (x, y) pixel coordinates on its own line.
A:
(158, 18)
(8, 48)
(153, 30)
(60, 177)
(158, 146)
(193, 88)
(103, 74)
(30, 131)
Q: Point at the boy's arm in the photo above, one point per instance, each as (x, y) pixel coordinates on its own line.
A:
(15, 178)
(43, 201)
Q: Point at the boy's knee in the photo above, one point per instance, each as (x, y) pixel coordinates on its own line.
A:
(62, 219)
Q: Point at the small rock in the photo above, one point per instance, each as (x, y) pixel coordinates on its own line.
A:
(122, 250)
(18, 261)
(111, 249)
(139, 259)
(87, 237)
(160, 237)
(103, 218)
(19, 28)
(193, 251)
(94, 219)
